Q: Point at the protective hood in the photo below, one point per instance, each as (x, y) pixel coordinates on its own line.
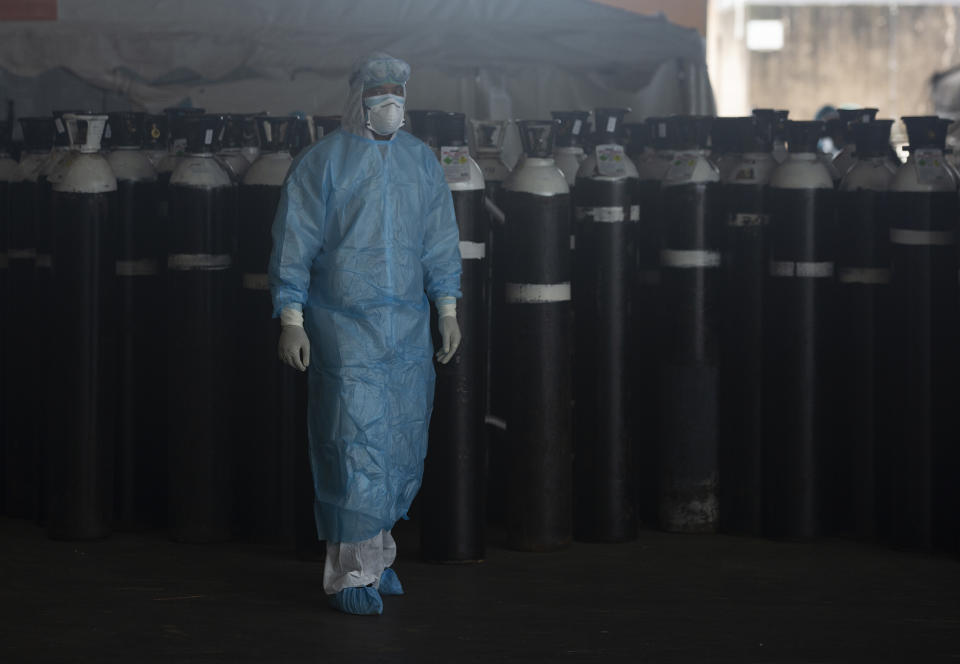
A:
(375, 69)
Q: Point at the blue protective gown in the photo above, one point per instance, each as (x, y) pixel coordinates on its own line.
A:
(365, 232)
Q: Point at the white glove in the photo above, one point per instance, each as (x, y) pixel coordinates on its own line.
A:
(449, 329)
(294, 346)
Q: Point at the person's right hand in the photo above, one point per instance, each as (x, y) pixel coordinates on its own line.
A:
(294, 347)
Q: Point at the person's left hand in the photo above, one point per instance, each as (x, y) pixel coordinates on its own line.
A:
(449, 338)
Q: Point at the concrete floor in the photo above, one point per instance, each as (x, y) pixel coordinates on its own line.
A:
(665, 598)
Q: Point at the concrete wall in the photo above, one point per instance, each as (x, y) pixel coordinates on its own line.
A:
(870, 55)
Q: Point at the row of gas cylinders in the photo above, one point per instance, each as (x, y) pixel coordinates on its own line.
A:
(649, 337)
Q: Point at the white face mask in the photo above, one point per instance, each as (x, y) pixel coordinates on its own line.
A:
(384, 114)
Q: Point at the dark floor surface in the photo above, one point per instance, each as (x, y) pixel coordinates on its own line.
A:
(664, 598)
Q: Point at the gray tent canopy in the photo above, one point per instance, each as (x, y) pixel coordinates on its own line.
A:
(487, 58)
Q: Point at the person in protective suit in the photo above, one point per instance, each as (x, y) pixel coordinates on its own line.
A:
(364, 238)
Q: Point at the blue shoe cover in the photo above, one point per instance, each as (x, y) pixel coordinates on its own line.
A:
(358, 601)
(390, 583)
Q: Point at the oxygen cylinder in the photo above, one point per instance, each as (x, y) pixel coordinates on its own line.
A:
(8, 171)
(201, 296)
(798, 299)
(604, 197)
(454, 482)
(923, 303)
(488, 136)
(155, 138)
(273, 396)
(745, 218)
(235, 135)
(862, 336)
(689, 264)
(646, 319)
(846, 158)
(82, 445)
(537, 270)
(22, 454)
(176, 141)
(141, 477)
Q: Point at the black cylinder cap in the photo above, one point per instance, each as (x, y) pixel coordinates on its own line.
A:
(126, 128)
(658, 131)
(423, 125)
(637, 135)
(571, 128)
(727, 134)
(848, 116)
(778, 118)
(329, 124)
(607, 124)
(764, 132)
(61, 138)
(452, 129)
(926, 131)
(537, 137)
(688, 132)
(803, 135)
(300, 135)
(239, 131)
(176, 126)
(871, 138)
(277, 133)
(203, 132)
(155, 132)
(37, 133)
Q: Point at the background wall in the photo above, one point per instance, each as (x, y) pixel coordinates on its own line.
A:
(869, 54)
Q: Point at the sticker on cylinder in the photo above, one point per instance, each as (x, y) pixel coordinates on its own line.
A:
(931, 167)
(747, 219)
(611, 160)
(681, 168)
(456, 162)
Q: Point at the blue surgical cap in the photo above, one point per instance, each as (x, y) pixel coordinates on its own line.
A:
(380, 69)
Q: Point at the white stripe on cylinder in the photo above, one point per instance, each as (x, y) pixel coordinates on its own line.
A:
(537, 293)
(812, 270)
(199, 261)
(21, 254)
(256, 281)
(472, 250)
(144, 267)
(573, 242)
(606, 215)
(863, 275)
(44, 260)
(922, 238)
(495, 421)
(687, 258)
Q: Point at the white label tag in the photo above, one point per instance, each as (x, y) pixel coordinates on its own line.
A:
(456, 162)
(179, 145)
(662, 129)
(682, 168)
(577, 124)
(107, 133)
(931, 167)
(634, 213)
(611, 124)
(59, 125)
(747, 219)
(208, 137)
(268, 131)
(610, 160)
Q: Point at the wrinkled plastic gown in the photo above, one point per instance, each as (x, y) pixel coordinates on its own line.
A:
(369, 226)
